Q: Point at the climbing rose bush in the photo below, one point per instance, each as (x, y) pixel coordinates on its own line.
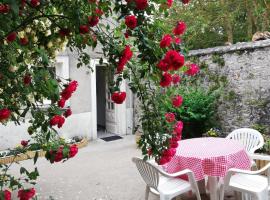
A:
(136, 48)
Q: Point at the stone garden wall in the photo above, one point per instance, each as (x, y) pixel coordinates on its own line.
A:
(245, 70)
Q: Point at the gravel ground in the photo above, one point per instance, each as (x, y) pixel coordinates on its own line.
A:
(100, 171)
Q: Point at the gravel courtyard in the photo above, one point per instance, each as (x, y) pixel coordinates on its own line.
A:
(100, 171)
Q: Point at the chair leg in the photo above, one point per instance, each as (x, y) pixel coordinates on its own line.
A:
(262, 196)
(164, 197)
(222, 191)
(238, 195)
(147, 191)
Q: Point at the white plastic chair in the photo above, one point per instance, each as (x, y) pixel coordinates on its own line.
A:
(167, 186)
(247, 182)
(250, 138)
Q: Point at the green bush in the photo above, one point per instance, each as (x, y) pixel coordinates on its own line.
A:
(198, 111)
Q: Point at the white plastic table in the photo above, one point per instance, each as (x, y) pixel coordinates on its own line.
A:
(209, 157)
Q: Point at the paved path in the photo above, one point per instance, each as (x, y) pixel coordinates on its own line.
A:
(101, 171)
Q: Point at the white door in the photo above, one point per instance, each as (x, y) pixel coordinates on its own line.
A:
(111, 122)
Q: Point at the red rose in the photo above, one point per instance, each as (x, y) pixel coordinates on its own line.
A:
(27, 79)
(165, 41)
(24, 41)
(169, 3)
(170, 117)
(64, 32)
(73, 150)
(4, 114)
(99, 12)
(119, 97)
(35, 3)
(164, 159)
(11, 37)
(185, 1)
(166, 80)
(84, 29)
(58, 155)
(126, 56)
(193, 69)
(163, 66)
(131, 21)
(176, 79)
(61, 103)
(4, 8)
(26, 194)
(7, 195)
(173, 144)
(180, 28)
(67, 113)
(57, 120)
(178, 127)
(177, 40)
(61, 122)
(174, 59)
(176, 138)
(24, 143)
(93, 21)
(177, 101)
(169, 152)
(68, 91)
(141, 4)
(127, 53)
(126, 34)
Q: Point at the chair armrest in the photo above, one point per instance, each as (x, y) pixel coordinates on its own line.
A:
(259, 157)
(177, 174)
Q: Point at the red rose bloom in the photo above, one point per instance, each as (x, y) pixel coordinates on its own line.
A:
(68, 91)
(58, 155)
(131, 21)
(93, 21)
(98, 12)
(35, 3)
(73, 150)
(141, 4)
(176, 79)
(177, 101)
(26, 194)
(126, 34)
(126, 56)
(7, 195)
(165, 41)
(64, 32)
(24, 143)
(61, 103)
(174, 59)
(84, 29)
(169, 152)
(185, 1)
(180, 28)
(24, 41)
(163, 65)
(11, 37)
(119, 97)
(193, 69)
(178, 127)
(166, 80)
(67, 113)
(4, 8)
(170, 117)
(177, 40)
(4, 114)
(57, 120)
(169, 3)
(27, 79)
(164, 159)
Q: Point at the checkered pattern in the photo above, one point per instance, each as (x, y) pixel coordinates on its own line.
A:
(208, 157)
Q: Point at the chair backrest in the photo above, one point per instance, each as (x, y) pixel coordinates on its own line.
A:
(148, 172)
(250, 138)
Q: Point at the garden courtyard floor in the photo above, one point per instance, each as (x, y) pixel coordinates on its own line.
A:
(100, 171)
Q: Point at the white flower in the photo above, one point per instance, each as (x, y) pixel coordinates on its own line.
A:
(49, 45)
(48, 32)
(28, 30)
(35, 39)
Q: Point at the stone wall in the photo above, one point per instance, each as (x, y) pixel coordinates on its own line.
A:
(246, 68)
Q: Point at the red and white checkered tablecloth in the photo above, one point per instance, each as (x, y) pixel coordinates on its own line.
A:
(208, 157)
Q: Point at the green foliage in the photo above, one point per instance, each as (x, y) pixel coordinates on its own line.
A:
(217, 22)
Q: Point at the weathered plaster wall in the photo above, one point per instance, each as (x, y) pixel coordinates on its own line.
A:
(246, 102)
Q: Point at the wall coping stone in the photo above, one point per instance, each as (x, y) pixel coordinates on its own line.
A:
(240, 46)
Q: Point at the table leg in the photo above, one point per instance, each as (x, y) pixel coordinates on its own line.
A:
(201, 186)
(213, 188)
